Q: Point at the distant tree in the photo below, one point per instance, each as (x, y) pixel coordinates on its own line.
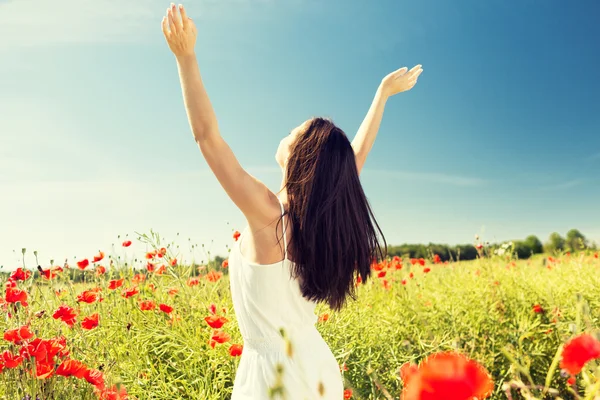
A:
(575, 241)
(521, 249)
(534, 244)
(555, 243)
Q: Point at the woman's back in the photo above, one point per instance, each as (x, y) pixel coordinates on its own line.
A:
(267, 299)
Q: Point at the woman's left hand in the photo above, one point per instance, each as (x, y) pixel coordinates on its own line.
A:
(180, 31)
(400, 80)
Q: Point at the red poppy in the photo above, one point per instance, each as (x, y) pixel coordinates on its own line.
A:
(10, 360)
(323, 317)
(18, 335)
(215, 322)
(150, 267)
(89, 296)
(161, 270)
(127, 243)
(94, 377)
(578, 351)
(347, 394)
(538, 309)
(173, 291)
(137, 278)
(225, 263)
(236, 235)
(66, 314)
(173, 262)
(165, 308)
(83, 263)
(381, 274)
(150, 255)
(447, 375)
(147, 305)
(358, 280)
(212, 308)
(100, 270)
(436, 259)
(70, 367)
(90, 322)
(99, 257)
(20, 274)
(112, 285)
(14, 295)
(112, 394)
(404, 281)
(235, 350)
(43, 370)
(411, 275)
(132, 291)
(220, 336)
(426, 270)
(385, 284)
(213, 276)
(193, 281)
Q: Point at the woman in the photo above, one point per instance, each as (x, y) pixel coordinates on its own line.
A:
(321, 208)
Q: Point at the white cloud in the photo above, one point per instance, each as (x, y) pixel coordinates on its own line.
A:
(564, 185)
(433, 177)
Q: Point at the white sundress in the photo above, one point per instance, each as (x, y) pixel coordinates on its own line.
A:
(265, 299)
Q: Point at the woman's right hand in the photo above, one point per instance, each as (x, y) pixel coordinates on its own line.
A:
(180, 31)
(400, 80)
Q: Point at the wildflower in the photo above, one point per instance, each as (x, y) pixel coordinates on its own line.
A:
(18, 335)
(538, 309)
(447, 375)
(235, 350)
(99, 257)
(236, 235)
(127, 243)
(112, 285)
(578, 351)
(70, 367)
(214, 276)
(83, 263)
(20, 274)
(127, 293)
(66, 314)
(90, 322)
(215, 322)
(165, 308)
(147, 305)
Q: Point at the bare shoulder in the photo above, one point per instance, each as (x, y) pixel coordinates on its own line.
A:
(270, 212)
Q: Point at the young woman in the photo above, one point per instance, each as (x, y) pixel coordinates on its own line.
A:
(304, 245)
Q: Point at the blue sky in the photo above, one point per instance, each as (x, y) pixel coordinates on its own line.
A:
(500, 137)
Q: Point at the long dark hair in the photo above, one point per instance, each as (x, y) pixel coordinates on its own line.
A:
(334, 232)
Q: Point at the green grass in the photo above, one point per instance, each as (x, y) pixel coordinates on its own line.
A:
(486, 315)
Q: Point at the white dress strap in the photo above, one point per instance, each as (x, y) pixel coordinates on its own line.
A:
(284, 236)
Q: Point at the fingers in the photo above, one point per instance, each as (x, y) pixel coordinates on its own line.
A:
(400, 72)
(174, 20)
(165, 28)
(184, 17)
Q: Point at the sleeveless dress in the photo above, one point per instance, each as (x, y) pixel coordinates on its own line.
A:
(265, 299)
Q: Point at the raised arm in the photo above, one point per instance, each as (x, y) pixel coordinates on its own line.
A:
(394, 83)
(248, 193)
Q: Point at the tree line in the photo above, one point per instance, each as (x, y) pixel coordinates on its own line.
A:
(572, 242)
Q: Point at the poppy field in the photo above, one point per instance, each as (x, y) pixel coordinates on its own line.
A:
(139, 323)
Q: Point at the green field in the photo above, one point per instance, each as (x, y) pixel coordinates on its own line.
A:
(482, 308)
